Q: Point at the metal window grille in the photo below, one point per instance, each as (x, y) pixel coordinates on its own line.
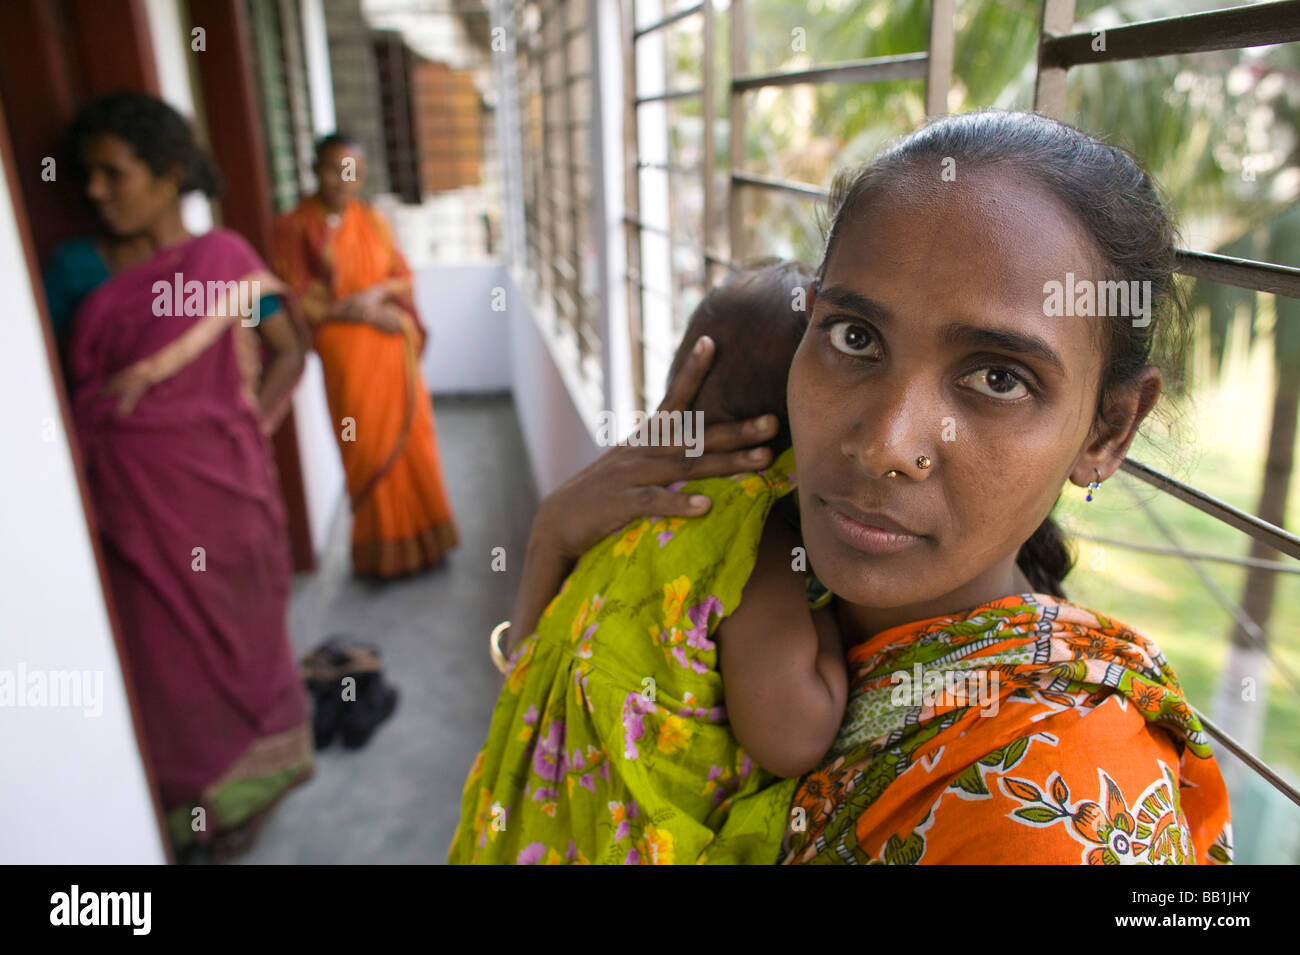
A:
(554, 66)
(1261, 24)
(934, 66)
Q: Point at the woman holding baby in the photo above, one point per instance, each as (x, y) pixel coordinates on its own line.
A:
(936, 413)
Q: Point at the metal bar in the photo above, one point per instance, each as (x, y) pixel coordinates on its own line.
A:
(667, 167)
(1276, 537)
(646, 227)
(657, 293)
(1256, 24)
(665, 97)
(710, 146)
(1249, 758)
(667, 21)
(1273, 566)
(782, 185)
(1049, 85)
(631, 193)
(736, 138)
(568, 80)
(1243, 273)
(1248, 626)
(878, 69)
(938, 64)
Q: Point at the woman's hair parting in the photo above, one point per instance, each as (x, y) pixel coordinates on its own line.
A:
(1115, 202)
(160, 136)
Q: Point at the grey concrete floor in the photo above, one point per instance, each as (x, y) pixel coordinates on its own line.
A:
(397, 799)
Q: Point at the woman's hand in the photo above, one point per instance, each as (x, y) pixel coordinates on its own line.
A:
(626, 483)
(629, 482)
(355, 307)
(387, 318)
(130, 384)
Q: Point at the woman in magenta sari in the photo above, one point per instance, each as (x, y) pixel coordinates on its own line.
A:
(173, 405)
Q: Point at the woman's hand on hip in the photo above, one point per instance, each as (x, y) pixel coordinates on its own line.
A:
(628, 482)
(130, 384)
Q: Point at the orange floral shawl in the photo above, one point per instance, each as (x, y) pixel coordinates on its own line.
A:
(1026, 730)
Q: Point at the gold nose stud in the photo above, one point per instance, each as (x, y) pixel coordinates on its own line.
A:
(923, 462)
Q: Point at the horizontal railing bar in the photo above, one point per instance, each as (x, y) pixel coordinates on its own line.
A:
(906, 66)
(668, 20)
(669, 167)
(1253, 631)
(1258, 24)
(665, 97)
(657, 293)
(783, 185)
(1275, 566)
(1276, 537)
(647, 227)
(1250, 759)
(1243, 273)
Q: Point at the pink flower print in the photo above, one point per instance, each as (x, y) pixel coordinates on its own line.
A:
(635, 707)
(532, 854)
(633, 857)
(699, 667)
(603, 772)
(548, 758)
(676, 485)
(531, 716)
(680, 656)
(588, 782)
(545, 793)
(698, 635)
(576, 761)
(572, 854)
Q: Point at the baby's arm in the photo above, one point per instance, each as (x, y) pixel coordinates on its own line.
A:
(782, 664)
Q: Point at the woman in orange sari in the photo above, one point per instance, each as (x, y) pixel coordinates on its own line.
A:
(338, 253)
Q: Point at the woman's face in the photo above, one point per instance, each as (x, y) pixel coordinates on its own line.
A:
(127, 195)
(341, 172)
(928, 337)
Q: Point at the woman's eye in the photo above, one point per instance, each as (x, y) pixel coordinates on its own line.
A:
(997, 383)
(851, 338)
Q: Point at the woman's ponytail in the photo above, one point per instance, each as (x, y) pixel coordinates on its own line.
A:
(1045, 559)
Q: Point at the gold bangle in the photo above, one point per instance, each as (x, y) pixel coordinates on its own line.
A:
(494, 647)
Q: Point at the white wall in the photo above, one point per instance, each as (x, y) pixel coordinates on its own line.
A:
(556, 435)
(469, 345)
(72, 785)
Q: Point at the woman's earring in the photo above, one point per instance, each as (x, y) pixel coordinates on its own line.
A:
(1093, 485)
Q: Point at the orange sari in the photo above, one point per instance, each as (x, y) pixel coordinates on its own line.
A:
(383, 417)
(1025, 730)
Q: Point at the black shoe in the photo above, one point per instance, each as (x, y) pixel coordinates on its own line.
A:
(376, 701)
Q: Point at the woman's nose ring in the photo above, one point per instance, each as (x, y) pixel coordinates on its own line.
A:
(922, 462)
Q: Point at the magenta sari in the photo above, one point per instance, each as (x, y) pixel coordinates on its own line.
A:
(190, 468)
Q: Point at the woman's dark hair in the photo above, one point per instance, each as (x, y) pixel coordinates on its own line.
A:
(332, 140)
(156, 133)
(1111, 197)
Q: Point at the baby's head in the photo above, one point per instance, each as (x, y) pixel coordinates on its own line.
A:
(756, 319)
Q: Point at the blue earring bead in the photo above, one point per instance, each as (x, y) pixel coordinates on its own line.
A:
(1093, 485)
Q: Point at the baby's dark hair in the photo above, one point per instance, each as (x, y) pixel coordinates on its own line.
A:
(756, 319)
(1110, 196)
(160, 136)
